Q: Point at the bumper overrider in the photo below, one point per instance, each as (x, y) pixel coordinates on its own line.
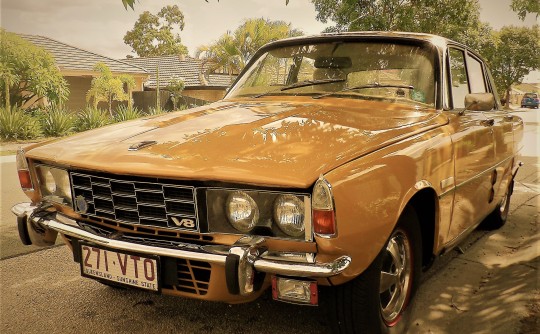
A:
(40, 224)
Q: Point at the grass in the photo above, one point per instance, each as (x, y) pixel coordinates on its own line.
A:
(5, 153)
(9, 147)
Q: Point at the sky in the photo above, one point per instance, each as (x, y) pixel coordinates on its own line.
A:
(100, 25)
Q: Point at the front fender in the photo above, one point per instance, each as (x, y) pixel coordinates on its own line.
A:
(371, 192)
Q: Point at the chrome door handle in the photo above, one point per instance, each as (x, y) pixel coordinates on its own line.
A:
(487, 122)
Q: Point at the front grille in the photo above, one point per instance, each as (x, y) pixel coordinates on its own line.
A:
(153, 202)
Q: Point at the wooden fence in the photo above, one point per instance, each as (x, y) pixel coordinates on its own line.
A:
(147, 99)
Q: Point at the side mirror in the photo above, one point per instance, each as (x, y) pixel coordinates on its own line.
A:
(479, 102)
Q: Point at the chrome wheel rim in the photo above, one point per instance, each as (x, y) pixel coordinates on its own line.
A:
(395, 277)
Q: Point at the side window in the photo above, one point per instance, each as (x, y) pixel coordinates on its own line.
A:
(476, 75)
(459, 81)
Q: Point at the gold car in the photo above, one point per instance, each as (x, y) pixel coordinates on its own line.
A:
(340, 164)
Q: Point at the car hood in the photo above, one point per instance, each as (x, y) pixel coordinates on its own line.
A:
(285, 144)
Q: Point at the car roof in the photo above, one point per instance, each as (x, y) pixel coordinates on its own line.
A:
(434, 39)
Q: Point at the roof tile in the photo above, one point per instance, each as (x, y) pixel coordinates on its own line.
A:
(186, 68)
(68, 57)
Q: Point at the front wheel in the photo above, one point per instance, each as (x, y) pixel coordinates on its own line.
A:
(379, 300)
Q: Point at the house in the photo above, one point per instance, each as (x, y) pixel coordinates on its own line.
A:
(198, 83)
(76, 66)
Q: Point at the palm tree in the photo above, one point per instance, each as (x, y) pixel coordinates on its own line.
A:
(255, 33)
(223, 54)
(232, 51)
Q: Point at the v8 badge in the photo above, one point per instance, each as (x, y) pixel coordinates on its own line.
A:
(183, 222)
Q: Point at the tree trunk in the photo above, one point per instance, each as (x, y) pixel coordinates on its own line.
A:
(8, 105)
(158, 100)
(110, 105)
(130, 101)
(507, 102)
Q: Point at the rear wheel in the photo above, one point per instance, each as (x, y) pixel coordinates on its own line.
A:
(379, 300)
(498, 217)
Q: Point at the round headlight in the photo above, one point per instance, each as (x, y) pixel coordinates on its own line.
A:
(289, 215)
(242, 211)
(49, 182)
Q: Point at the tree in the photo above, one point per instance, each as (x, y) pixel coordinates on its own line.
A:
(514, 53)
(129, 82)
(223, 54)
(154, 35)
(232, 51)
(129, 3)
(106, 87)
(456, 19)
(175, 87)
(524, 7)
(254, 33)
(28, 73)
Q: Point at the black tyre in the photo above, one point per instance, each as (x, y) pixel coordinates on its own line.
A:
(380, 299)
(498, 217)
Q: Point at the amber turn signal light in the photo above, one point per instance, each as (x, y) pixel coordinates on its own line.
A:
(23, 171)
(25, 180)
(323, 222)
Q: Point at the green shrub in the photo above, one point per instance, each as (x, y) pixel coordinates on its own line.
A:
(56, 121)
(124, 113)
(16, 124)
(91, 118)
(155, 111)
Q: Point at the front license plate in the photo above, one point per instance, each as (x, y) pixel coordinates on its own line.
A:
(121, 268)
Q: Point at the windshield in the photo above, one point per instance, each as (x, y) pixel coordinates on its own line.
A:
(365, 70)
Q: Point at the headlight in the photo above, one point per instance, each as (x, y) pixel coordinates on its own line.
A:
(54, 184)
(259, 212)
(242, 211)
(289, 215)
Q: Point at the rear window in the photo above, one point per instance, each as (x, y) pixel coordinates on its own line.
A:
(530, 95)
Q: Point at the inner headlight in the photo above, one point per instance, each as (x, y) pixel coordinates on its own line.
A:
(289, 215)
(242, 211)
(54, 184)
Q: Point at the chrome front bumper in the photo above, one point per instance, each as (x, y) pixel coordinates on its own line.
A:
(40, 226)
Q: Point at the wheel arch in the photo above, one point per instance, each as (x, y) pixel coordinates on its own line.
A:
(425, 204)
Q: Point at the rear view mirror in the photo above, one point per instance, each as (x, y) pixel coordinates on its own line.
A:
(479, 102)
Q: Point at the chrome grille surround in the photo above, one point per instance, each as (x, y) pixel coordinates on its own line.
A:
(138, 201)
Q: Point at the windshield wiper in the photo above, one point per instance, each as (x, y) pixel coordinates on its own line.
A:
(372, 85)
(300, 84)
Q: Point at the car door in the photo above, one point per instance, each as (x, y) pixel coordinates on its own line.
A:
(504, 143)
(474, 151)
